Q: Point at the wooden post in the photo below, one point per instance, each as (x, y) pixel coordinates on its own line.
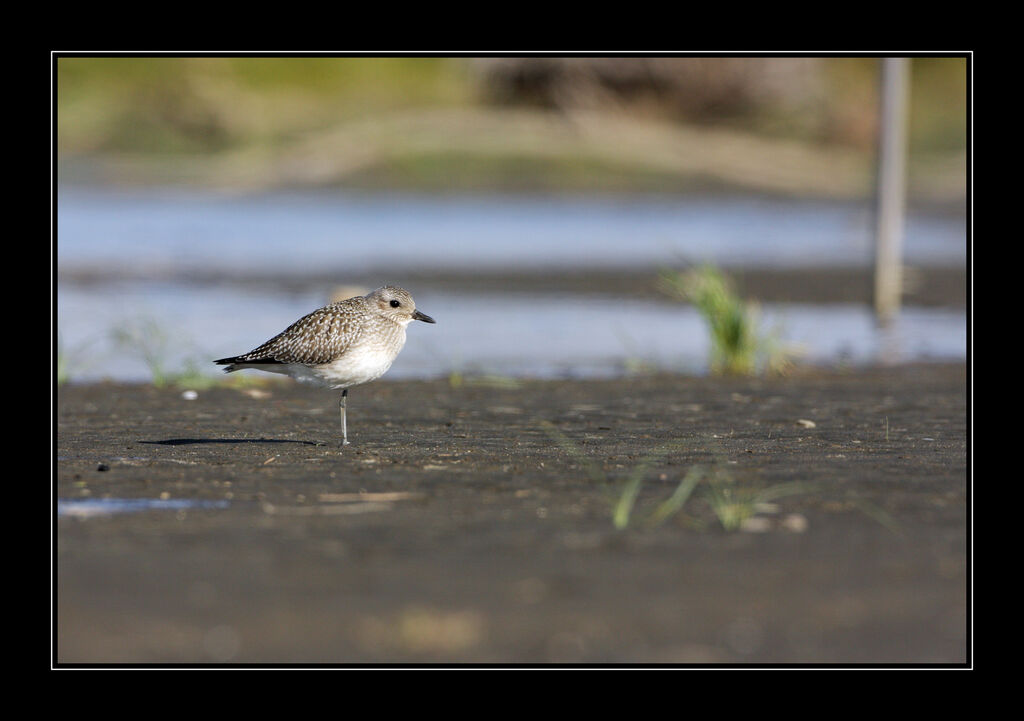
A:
(891, 190)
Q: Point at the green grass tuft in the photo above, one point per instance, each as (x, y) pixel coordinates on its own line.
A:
(737, 347)
(733, 504)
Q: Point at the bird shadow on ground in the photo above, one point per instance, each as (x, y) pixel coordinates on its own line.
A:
(192, 441)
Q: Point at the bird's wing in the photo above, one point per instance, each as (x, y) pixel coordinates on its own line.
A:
(317, 338)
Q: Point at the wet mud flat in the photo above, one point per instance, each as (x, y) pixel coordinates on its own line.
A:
(925, 286)
(473, 522)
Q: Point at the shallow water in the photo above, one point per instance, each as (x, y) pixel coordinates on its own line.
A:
(522, 336)
(297, 233)
(91, 507)
(177, 322)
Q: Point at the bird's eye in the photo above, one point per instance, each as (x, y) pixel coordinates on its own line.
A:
(395, 304)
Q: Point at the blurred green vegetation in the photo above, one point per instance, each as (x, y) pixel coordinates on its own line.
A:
(195, 104)
(938, 105)
(252, 114)
(737, 345)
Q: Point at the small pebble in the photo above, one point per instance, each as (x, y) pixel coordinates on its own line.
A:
(190, 395)
(795, 522)
(755, 524)
(103, 467)
(806, 423)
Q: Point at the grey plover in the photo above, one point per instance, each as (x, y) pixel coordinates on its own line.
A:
(341, 345)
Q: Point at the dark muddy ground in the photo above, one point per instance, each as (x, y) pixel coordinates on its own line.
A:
(924, 286)
(459, 528)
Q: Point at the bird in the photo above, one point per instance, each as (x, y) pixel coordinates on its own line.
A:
(341, 345)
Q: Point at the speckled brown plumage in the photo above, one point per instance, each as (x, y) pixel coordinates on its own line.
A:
(317, 338)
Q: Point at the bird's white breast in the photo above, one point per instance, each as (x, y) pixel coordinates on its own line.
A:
(361, 363)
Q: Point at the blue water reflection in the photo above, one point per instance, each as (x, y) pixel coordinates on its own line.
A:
(293, 233)
(89, 507)
(145, 246)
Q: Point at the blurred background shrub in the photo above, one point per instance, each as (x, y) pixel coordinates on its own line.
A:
(782, 124)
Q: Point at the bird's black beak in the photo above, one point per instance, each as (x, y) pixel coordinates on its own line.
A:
(416, 315)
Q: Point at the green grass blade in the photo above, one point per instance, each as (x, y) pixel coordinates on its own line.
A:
(674, 503)
(624, 507)
(872, 511)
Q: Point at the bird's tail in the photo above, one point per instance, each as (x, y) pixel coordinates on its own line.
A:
(229, 362)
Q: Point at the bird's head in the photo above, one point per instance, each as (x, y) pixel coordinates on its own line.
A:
(397, 304)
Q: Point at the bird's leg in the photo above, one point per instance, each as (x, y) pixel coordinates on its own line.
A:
(344, 427)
